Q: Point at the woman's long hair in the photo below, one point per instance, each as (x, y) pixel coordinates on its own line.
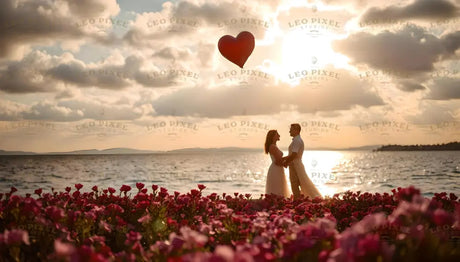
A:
(269, 139)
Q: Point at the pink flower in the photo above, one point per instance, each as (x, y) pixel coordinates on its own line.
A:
(15, 237)
(144, 219)
(105, 226)
(192, 238)
(55, 213)
(63, 249)
(132, 237)
(223, 253)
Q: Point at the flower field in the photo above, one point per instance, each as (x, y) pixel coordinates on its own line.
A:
(152, 224)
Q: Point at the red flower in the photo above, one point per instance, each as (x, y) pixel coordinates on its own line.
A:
(111, 190)
(94, 188)
(140, 185)
(195, 192)
(38, 191)
(78, 186)
(201, 187)
(441, 217)
(154, 188)
(68, 189)
(76, 194)
(125, 188)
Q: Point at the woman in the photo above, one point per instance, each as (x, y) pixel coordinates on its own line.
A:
(276, 180)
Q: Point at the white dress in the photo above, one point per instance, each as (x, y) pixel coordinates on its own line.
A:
(276, 180)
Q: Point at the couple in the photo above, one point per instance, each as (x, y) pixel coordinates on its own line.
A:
(276, 180)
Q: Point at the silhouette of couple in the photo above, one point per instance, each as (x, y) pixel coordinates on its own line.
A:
(276, 180)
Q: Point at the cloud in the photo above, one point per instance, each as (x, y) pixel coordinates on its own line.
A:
(445, 89)
(46, 110)
(267, 98)
(211, 13)
(41, 72)
(27, 75)
(170, 53)
(199, 21)
(39, 21)
(409, 86)
(77, 73)
(418, 9)
(10, 111)
(410, 50)
(99, 110)
(432, 113)
(71, 110)
(313, 21)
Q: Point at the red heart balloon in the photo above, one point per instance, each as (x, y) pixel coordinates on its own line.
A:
(237, 50)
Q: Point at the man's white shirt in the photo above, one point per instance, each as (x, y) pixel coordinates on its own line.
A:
(297, 146)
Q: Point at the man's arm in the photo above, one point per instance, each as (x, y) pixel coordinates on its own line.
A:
(289, 158)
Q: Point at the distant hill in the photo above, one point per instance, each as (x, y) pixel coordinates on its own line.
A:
(128, 151)
(110, 151)
(222, 149)
(439, 147)
(8, 153)
(360, 148)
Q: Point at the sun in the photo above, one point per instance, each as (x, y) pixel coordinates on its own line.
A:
(301, 51)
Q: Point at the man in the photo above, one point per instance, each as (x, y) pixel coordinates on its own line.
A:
(300, 182)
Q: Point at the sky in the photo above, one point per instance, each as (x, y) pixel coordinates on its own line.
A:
(148, 74)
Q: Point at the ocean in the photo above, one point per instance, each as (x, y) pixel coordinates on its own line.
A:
(229, 172)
